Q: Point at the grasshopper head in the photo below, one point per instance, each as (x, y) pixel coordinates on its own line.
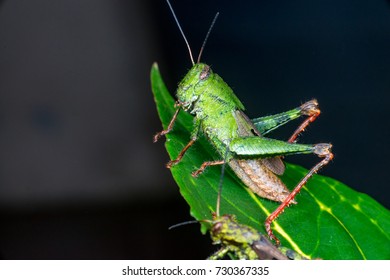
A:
(190, 88)
(220, 227)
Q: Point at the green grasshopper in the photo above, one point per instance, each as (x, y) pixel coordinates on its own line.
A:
(255, 159)
(245, 242)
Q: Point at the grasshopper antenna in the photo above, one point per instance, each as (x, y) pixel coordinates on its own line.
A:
(182, 33)
(183, 224)
(207, 36)
(188, 223)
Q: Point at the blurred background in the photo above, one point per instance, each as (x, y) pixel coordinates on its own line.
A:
(79, 175)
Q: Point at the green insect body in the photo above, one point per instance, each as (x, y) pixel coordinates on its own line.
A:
(255, 159)
(244, 242)
(218, 114)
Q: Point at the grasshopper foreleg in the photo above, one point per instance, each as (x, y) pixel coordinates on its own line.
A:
(170, 126)
(219, 254)
(322, 150)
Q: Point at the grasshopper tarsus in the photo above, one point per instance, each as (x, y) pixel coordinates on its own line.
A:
(172, 163)
(158, 135)
(270, 233)
(196, 173)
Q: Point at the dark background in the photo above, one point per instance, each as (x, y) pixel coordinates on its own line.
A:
(79, 175)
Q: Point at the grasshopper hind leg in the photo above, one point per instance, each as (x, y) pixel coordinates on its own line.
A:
(322, 150)
(311, 110)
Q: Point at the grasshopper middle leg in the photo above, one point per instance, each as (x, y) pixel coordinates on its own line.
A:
(181, 154)
(206, 164)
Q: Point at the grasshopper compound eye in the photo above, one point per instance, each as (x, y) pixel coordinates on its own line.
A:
(217, 227)
(205, 73)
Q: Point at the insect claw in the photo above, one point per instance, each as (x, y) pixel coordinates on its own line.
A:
(172, 163)
(196, 173)
(157, 136)
(272, 236)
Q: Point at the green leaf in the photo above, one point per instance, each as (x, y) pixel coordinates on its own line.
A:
(330, 221)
